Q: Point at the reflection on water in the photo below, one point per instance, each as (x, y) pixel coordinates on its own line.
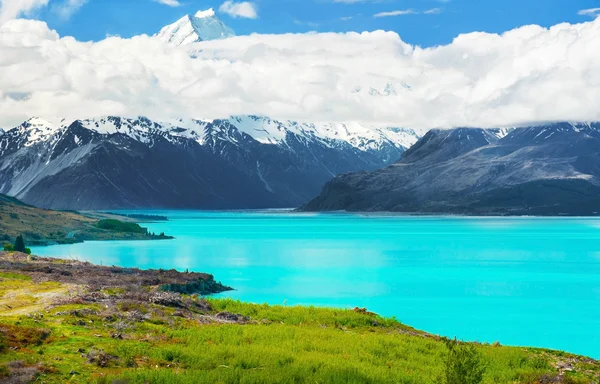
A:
(525, 281)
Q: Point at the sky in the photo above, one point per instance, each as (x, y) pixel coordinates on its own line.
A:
(402, 63)
(418, 22)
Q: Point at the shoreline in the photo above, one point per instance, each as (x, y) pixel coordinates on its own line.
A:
(94, 231)
(295, 211)
(44, 227)
(82, 273)
(85, 322)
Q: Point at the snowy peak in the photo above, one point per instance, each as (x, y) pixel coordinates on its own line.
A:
(203, 26)
(391, 89)
(143, 129)
(37, 130)
(362, 137)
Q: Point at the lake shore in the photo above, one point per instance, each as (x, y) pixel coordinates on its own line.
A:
(65, 320)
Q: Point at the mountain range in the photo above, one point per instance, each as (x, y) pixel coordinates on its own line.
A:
(240, 162)
(548, 169)
(246, 162)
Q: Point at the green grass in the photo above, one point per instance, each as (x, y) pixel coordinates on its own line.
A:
(14, 276)
(278, 344)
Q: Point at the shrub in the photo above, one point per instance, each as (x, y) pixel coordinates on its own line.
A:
(3, 343)
(463, 364)
(4, 371)
(19, 246)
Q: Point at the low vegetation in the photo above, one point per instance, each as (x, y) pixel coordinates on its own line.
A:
(140, 216)
(119, 226)
(68, 331)
(127, 227)
(18, 246)
(44, 227)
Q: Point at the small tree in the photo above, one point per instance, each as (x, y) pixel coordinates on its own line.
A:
(19, 244)
(463, 365)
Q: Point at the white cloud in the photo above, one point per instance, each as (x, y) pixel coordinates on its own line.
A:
(244, 9)
(592, 12)
(433, 11)
(170, 3)
(529, 74)
(66, 9)
(395, 13)
(11, 9)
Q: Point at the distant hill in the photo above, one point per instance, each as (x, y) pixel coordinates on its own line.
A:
(44, 227)
(551, 169)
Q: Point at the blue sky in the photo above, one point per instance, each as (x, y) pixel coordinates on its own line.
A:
(445, 19)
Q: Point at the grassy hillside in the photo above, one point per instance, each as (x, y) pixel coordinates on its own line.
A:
(41, 226)
(66, 332)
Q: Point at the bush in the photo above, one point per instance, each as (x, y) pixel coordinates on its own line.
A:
(463, 365)
(19, 246)
(4, 371)
(3, 343)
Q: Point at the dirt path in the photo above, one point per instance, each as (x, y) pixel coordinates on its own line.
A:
(22, 297)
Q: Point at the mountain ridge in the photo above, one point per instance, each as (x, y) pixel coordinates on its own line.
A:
(241, 162)
(549, 169)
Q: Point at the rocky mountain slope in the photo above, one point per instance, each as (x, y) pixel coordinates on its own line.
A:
(241, 162)
(551, 169)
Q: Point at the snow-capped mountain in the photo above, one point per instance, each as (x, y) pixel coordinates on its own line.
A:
(240, 162)
(389, 90)
(204, 25)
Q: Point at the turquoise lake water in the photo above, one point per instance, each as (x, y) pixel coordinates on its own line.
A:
(519, 281)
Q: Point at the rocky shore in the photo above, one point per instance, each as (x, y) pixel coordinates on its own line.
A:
(97, 278)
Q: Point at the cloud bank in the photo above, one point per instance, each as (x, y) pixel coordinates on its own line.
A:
(10, 9)
(530, 74)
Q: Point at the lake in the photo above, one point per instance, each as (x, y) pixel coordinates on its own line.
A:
(519, 281)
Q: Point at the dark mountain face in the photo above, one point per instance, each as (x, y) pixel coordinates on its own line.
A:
(549, 169)
(290, 171)
(138, 163)
(123, 173)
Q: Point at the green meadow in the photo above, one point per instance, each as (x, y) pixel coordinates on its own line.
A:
(227, 341)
